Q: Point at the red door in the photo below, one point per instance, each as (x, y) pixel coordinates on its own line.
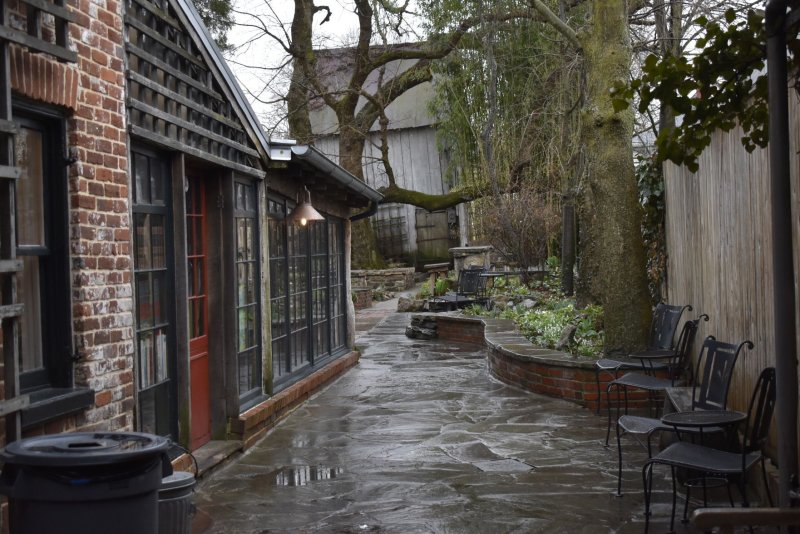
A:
(198, 312)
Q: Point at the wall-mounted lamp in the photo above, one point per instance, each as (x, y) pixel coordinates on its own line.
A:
(304, 212)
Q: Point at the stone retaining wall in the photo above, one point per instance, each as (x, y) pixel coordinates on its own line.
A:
(515, 361)
(389, 279)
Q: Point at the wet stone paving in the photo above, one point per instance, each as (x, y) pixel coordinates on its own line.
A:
(419, 438)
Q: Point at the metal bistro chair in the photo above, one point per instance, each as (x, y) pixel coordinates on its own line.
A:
(676, 363)
(666, 318)
(711, 383)
(470, 290)
(731, 466)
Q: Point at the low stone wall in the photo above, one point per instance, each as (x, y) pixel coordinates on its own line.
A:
(515, 361)
(362, 297)
(397, 279)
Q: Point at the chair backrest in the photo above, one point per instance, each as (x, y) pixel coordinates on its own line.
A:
(759, 412)
(470, 281)
(681, 363)
(666, 318)
(713, 374)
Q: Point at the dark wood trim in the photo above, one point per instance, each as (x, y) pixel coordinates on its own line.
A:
(194, 128)
(153, 60)
(39, 45)
(151, 137)
(56, 10)
(182, 378)
(228, 284)
(157, 37)
(160, 13)
(154, 86)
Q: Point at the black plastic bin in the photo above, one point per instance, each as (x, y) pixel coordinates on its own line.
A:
(175, 507)
(102, 482)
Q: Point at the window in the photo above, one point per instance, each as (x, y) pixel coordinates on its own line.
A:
(307, 305)
(42, 245)
(248, 344)
(153, 273)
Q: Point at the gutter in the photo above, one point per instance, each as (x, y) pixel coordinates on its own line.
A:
(782, 249)
(319, 161)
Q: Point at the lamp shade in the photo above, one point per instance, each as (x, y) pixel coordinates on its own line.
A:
(304, 212)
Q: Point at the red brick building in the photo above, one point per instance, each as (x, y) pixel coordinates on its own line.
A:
(149, 280)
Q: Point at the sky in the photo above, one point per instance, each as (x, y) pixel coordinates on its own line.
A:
(253, 50)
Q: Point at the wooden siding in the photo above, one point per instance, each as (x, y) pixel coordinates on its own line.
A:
(417, 165)
(719, 246)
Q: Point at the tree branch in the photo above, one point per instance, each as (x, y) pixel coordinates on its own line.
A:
(557, 23)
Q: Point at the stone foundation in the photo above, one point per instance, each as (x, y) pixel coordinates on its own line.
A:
(388, 279)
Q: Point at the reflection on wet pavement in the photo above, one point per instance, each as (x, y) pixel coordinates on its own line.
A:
(419, 438)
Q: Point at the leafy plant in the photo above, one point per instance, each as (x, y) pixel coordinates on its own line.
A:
(544, 324)
(723, 84)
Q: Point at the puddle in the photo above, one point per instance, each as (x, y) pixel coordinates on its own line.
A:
(302, 475)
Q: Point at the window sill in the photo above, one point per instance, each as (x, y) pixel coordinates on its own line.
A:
(51, 403)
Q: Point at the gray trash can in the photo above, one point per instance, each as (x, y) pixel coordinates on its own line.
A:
(175, 507)
(85, 482)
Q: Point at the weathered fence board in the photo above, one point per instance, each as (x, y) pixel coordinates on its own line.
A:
(719, 245)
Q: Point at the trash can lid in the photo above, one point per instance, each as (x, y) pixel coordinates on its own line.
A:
(84, 448)
(177, 480)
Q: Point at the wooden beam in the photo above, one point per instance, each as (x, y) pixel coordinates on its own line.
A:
(153, 34)
(160, 13)
(14, 404)
(155, 86)
(163, 115)
(8, 311)
(55, 10)
(151, 137)
(10, 266)
(34, 43)
(10, 173)
(153, 60)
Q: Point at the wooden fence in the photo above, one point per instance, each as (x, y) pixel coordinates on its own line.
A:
(719, 245)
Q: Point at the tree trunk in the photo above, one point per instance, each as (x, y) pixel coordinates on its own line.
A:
(297, 96)
(612, 269)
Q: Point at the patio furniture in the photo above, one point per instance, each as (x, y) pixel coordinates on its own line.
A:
(726, 465)
(470, 290)
(662, 333)
(676, 363)
(711, 382)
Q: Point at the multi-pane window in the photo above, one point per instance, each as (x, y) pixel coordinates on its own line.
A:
(153, 273)
(43, 285)
(247, 291)
(306, 291)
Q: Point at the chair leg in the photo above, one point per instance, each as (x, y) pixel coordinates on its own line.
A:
(766, 482)
(647, 477)
(674, 500)
(608, 406)
(619, 463)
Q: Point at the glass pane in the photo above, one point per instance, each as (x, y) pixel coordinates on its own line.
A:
(192, 320)
(200, 276)
(143, 248)
(159, 299)
(199, 316)
(144, 300)
(250, 196)
(251, 283)
(142, 181)
(157, 223)
(190, 237)
(239, 195)
(30, 188)
(189, 195)
(190, 276)
(158, 182)
(147, 359)
(31, 335)
(242, 330)
(241, 239)
(162, 372)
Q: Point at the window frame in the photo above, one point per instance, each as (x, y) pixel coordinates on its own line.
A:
(285, 372)
(55, 287)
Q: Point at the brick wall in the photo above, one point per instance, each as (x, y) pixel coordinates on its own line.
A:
(93, 93)
(555, 375)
